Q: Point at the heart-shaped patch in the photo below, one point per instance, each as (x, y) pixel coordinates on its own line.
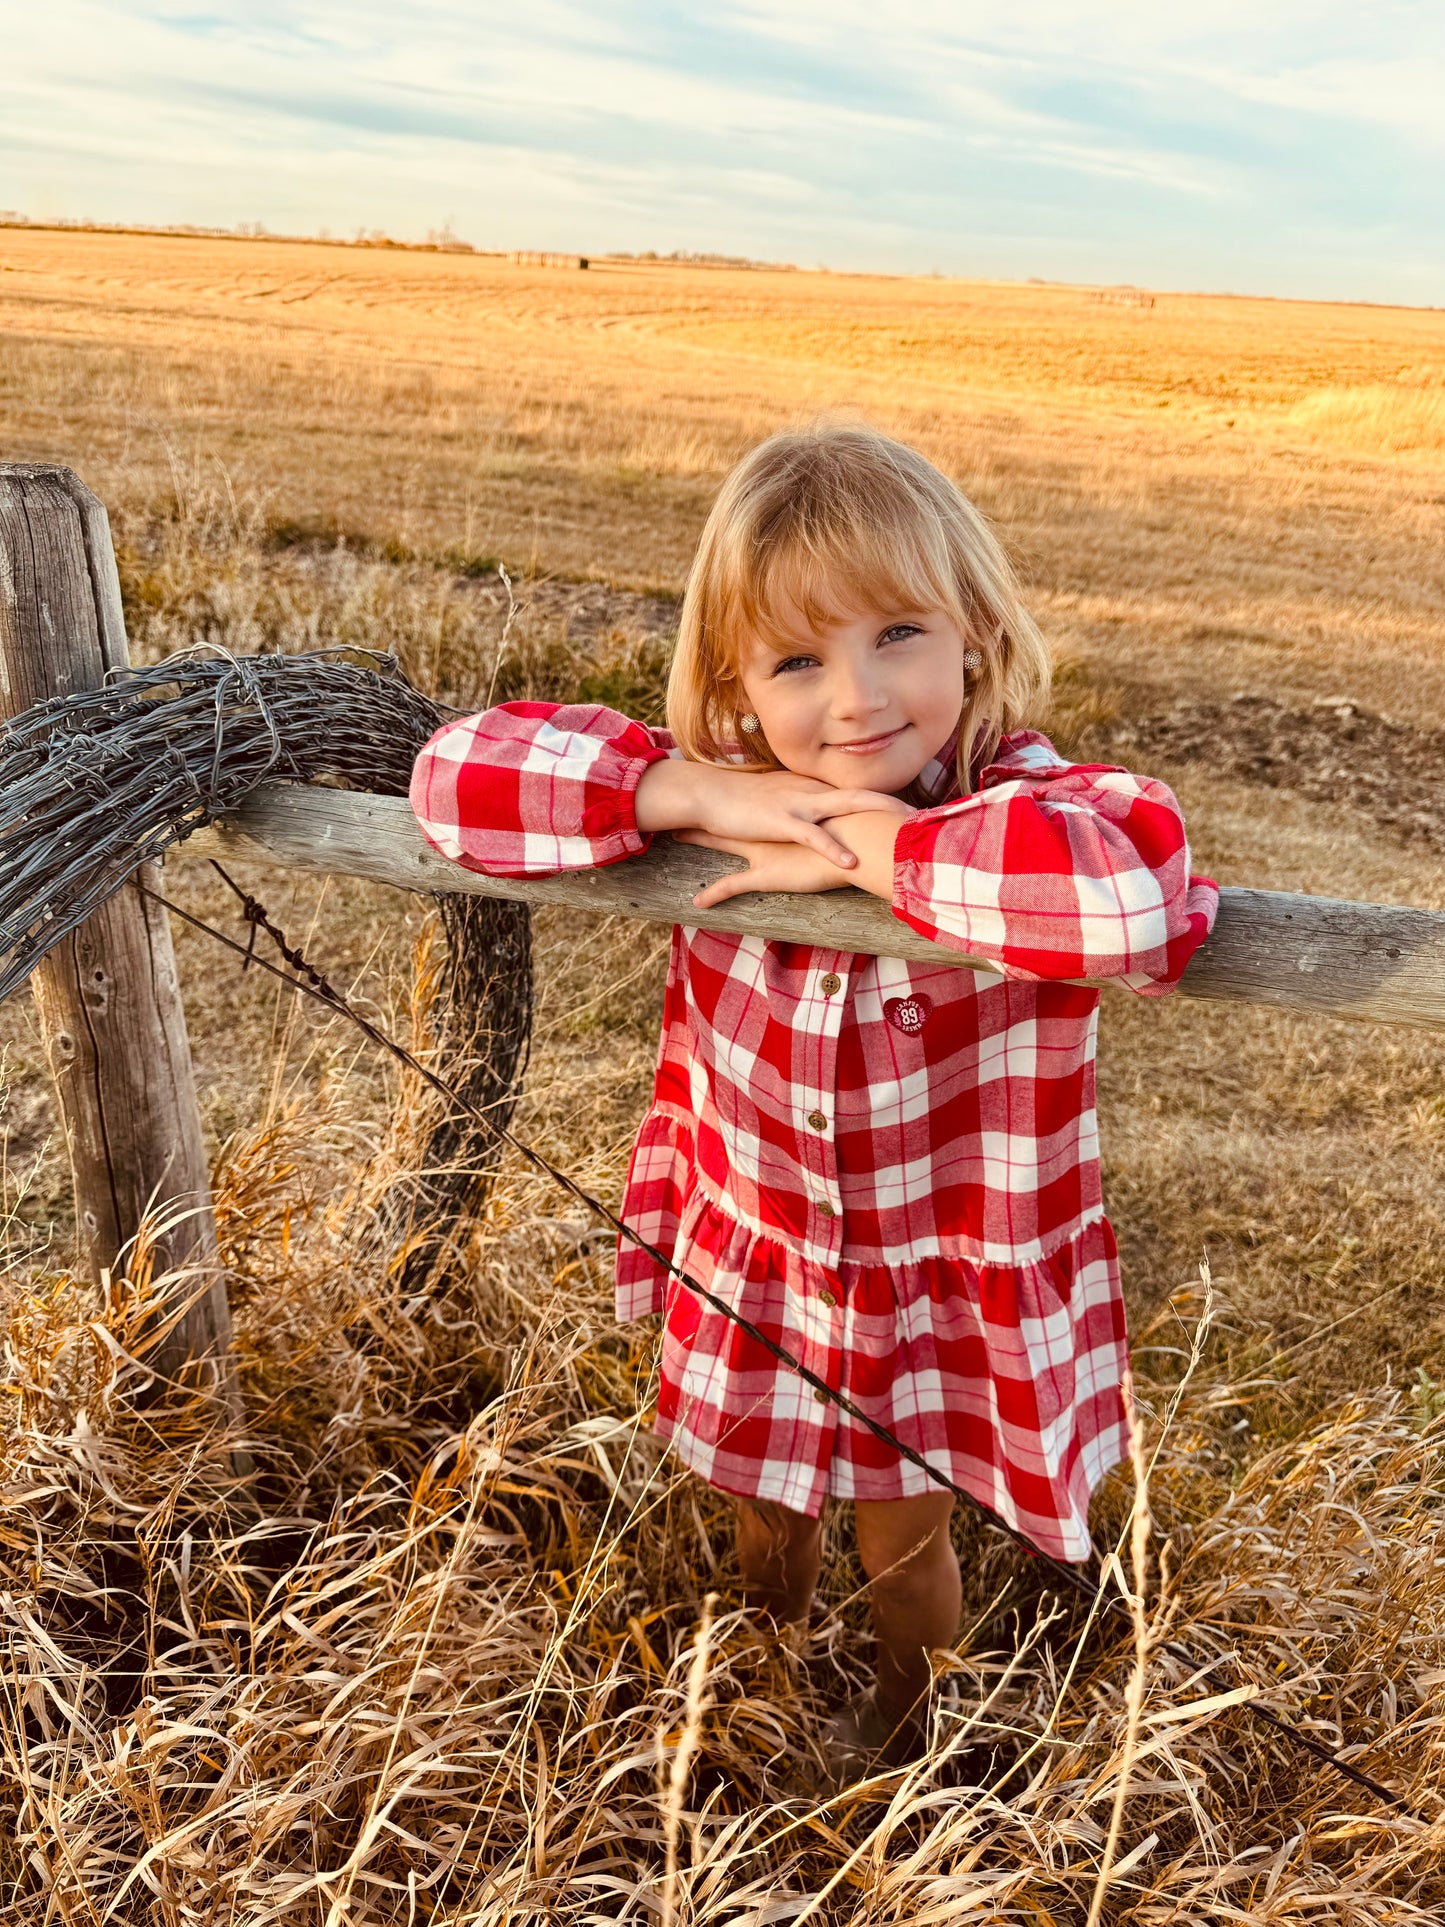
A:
(908, 1014)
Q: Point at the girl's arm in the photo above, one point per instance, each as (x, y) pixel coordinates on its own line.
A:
(788, 813)
(1056, 870)
(531, 789)
(1051, 871)
(866, 838)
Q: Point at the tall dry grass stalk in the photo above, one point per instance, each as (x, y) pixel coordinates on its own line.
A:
(1134, 1596)
(673, 1775)
(424, 1681)
(430, 1680)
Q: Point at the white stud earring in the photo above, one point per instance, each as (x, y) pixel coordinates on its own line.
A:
(972, 661)
(749, 724)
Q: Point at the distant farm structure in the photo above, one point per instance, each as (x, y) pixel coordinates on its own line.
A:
(1123, 297)
(545, 258)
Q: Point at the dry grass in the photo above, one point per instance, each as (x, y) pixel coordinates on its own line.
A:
(1378, 420)
(486, 1669)
(456, 1671)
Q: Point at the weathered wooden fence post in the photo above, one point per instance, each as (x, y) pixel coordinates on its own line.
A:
(109, 1003)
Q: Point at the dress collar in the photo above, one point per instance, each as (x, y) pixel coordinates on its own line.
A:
(937, 781)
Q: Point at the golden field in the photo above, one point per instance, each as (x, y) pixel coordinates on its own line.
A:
(437, 1680)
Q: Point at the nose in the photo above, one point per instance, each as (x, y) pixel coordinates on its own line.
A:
(857, 692)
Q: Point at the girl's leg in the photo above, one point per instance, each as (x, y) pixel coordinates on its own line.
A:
(917, 1592)
(779, 1552)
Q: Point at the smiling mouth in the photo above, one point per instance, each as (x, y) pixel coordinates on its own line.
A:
(863, 744)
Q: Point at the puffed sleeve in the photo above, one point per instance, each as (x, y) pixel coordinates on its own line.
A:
(1054, 870)
(530, 789)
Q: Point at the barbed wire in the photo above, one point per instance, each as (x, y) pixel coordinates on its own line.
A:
(96, 785)
(305, 977)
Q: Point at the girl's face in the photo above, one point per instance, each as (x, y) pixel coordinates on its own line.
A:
(864, 702)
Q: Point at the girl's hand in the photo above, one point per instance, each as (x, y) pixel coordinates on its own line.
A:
(871, 835)
(771, 866)
(753, 806)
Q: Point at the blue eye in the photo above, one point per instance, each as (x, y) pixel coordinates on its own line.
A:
(795, 662)
(899, 630)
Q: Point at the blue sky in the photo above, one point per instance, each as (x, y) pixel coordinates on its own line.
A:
(1289, 147)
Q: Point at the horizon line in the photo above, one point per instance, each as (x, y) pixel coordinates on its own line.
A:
(13, 219)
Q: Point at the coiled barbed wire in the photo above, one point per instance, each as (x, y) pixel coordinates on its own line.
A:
(95, 785)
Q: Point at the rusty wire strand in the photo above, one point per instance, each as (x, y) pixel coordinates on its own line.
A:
(312, 982)
(95, 785)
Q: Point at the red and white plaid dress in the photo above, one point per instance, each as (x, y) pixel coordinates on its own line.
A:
(890, 1168)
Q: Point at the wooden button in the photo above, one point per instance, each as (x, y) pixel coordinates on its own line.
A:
(831, 984)
(827, 1298)
(821, 1397)
(817, 1120)
(825, 1210)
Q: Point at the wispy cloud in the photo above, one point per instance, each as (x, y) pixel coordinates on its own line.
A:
(1294, 148)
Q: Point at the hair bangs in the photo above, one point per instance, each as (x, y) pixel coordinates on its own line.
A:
(809, 578)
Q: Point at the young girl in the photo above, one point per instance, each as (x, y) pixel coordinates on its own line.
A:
(890, 1168)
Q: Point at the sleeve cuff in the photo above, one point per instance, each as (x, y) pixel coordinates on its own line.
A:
(615, 819)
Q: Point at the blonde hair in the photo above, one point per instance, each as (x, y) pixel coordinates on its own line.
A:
(834, 521)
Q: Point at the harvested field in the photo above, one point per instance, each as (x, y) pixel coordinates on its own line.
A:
(445, 1676)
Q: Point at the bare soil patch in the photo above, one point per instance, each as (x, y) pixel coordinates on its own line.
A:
(1336, 752)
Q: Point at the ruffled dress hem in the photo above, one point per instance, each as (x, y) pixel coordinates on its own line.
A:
(1006, 1377)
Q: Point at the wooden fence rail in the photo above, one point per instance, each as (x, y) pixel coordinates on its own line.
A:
(1378, 961)
(110, 1005)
